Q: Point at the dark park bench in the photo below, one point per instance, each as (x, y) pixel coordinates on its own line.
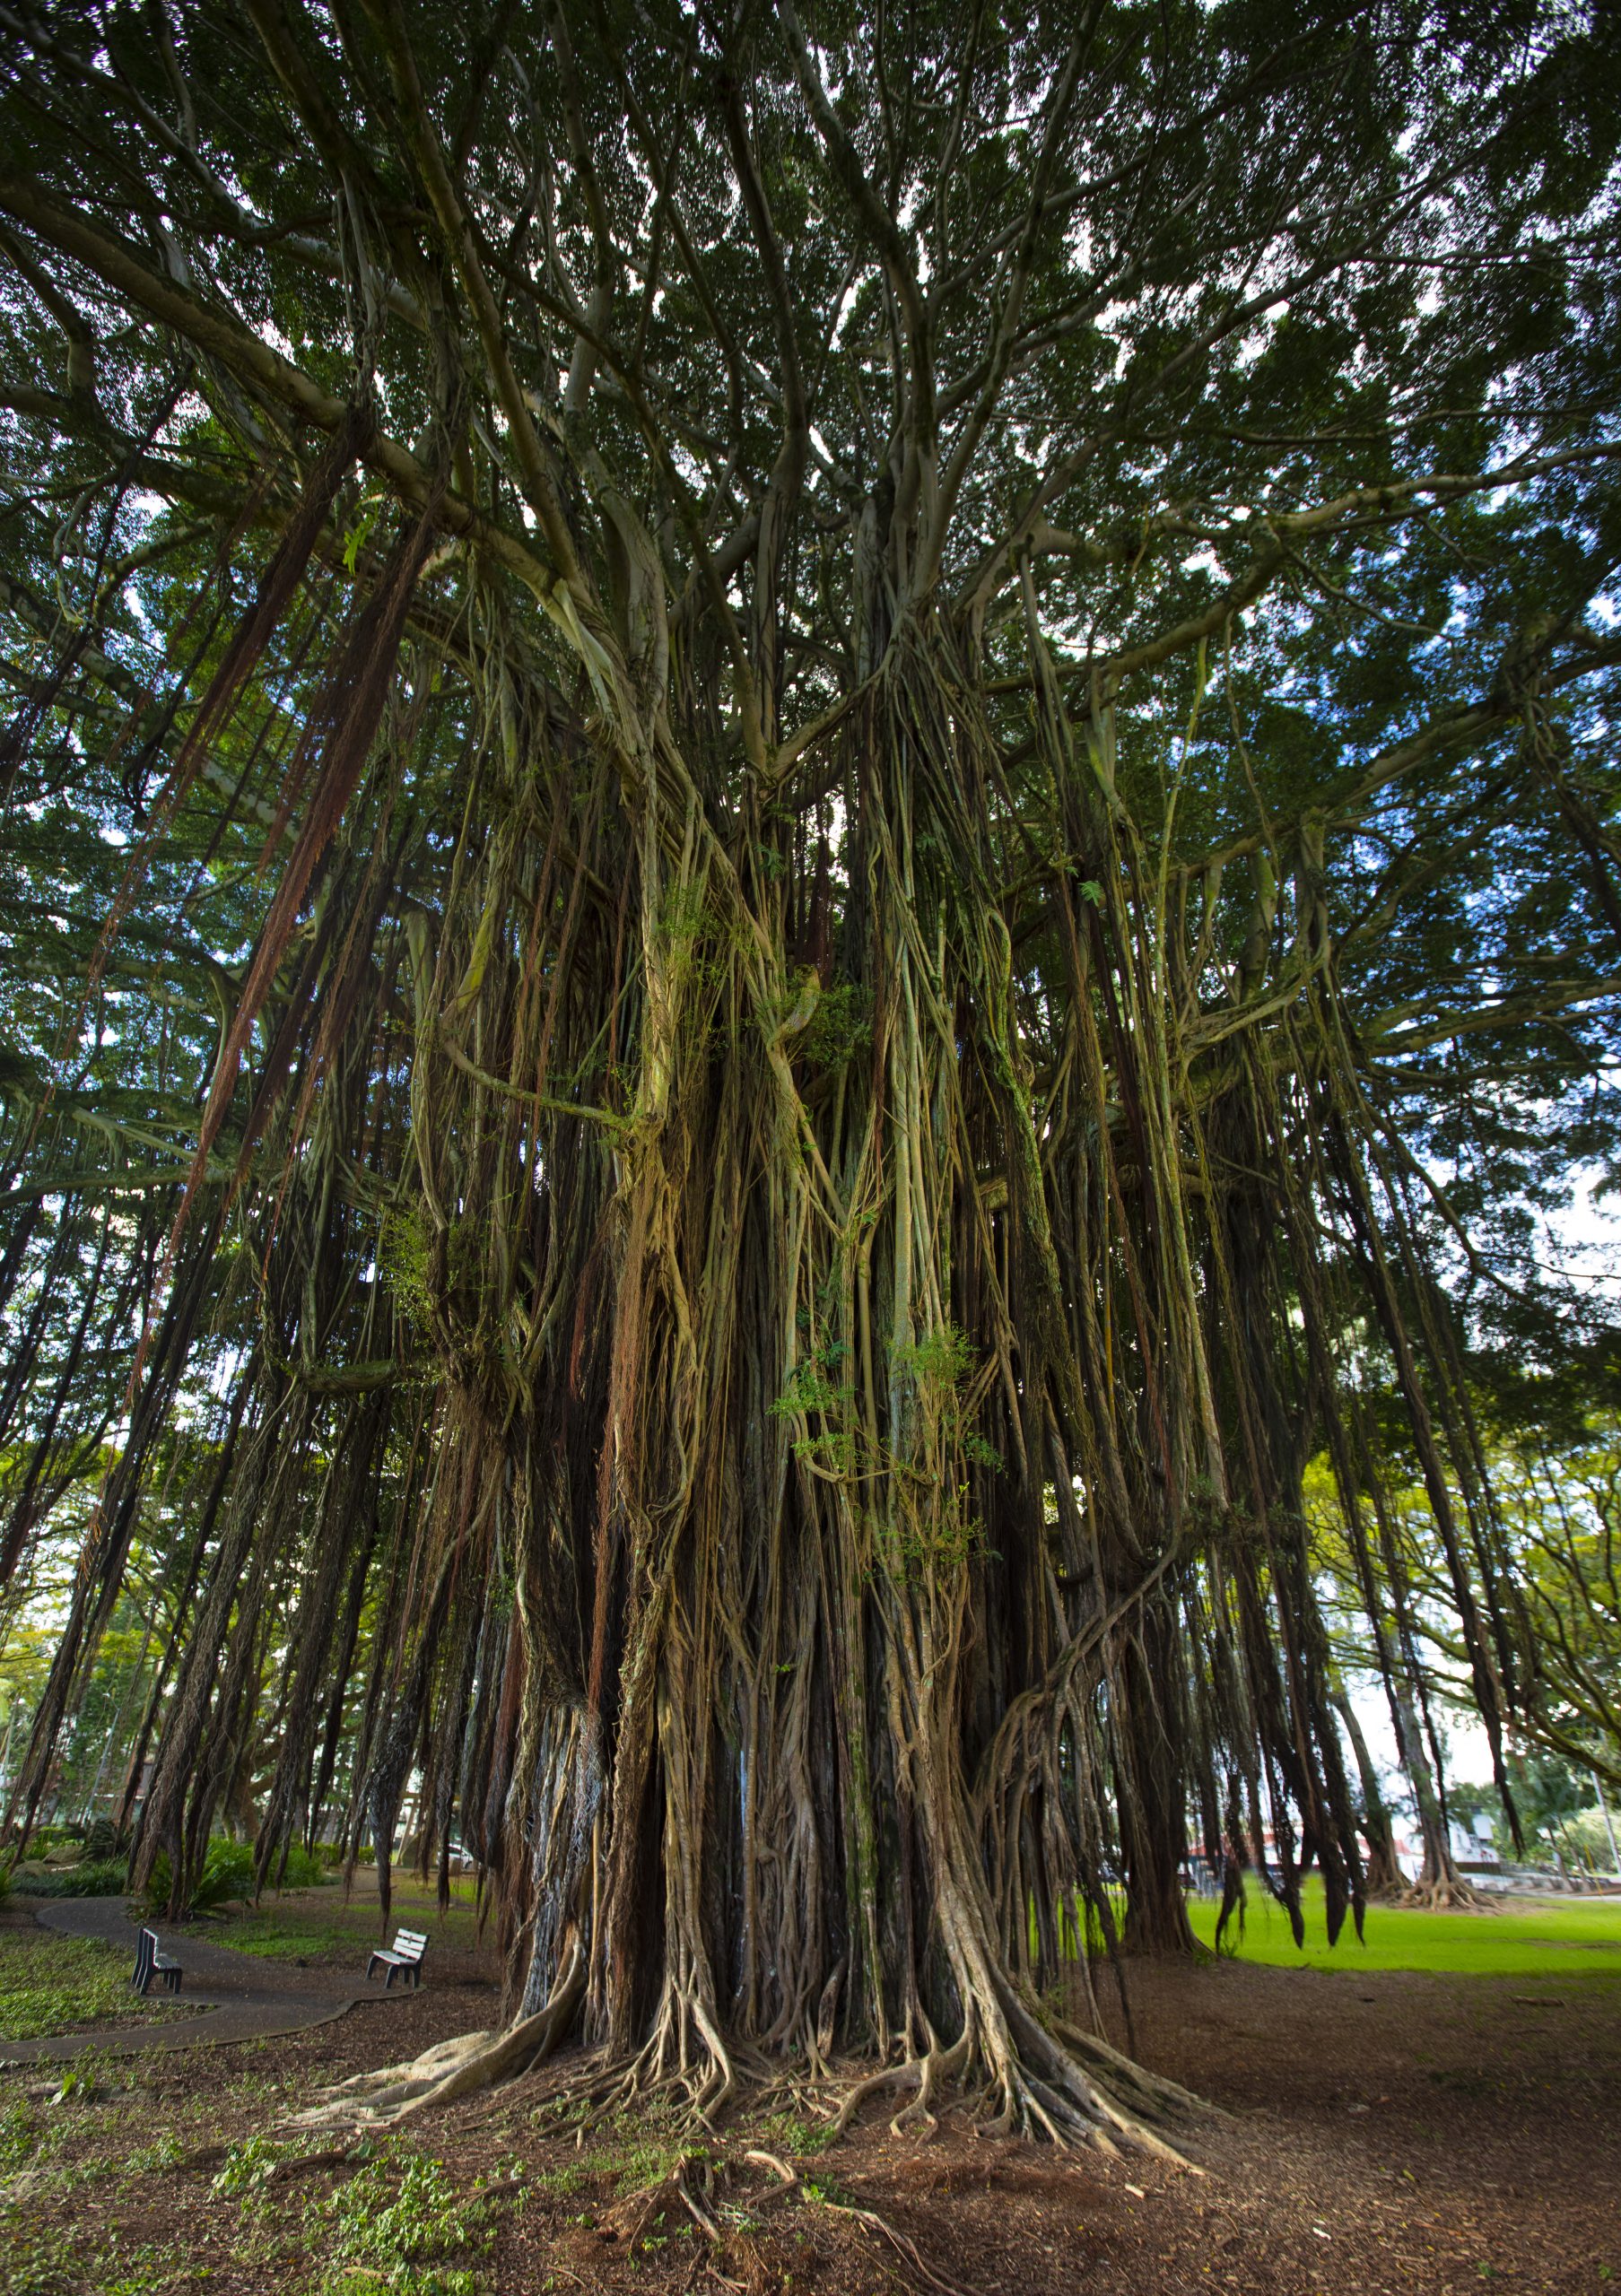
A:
(403, 1958)
(152, 1963)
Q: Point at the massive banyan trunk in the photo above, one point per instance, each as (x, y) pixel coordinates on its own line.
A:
(844, 1446)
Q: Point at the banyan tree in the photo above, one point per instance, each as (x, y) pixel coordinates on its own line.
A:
(807, 816)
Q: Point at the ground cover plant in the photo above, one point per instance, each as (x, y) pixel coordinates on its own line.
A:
(812, 862)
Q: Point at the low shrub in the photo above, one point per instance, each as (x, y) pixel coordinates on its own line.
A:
(102, 1841)
(91, 1878)
(303, 1870)
(227, 1875)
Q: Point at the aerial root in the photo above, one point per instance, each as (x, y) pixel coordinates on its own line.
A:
(684, 2056)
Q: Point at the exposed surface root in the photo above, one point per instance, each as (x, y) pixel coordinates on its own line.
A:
(788, 2181)
(1049, 2079)
(686, 2059)
(1059, 2082)
(925, 2073)
(455, 2068)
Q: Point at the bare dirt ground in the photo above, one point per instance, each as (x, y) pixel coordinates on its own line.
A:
(1386, 2133)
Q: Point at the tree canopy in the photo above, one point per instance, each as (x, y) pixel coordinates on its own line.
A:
(809, 834)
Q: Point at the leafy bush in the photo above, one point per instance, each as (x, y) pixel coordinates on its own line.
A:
(103, 1842)
(303, 1871)
(227, 1874)
(45, 1838)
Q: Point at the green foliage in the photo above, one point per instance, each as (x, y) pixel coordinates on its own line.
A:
(1549, 1790)
(788, 2134)
(21, 2132)
(305, 1869)
(101, 1841)
(227, 1876)
(640, 2150)
(840, 1027)
(250, 2164)
(91, 1879)
(814, 1390)
(39, 2259)
(405, 1261)
(400, 2226)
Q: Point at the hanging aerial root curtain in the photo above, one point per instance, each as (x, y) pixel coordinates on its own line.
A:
(336, 742)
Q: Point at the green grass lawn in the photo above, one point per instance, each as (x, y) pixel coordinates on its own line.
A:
(1563, 1939)
(315, 1924)
(50, 1984)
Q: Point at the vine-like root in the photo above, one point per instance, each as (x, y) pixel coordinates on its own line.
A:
(455, 2068)
(1053, 2079)
(924, 2072)
(684, 2057)
(1061, 2083)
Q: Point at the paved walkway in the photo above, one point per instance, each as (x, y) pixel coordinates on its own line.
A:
(249, 1996)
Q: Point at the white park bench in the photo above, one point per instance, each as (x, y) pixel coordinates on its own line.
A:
(403, 1958)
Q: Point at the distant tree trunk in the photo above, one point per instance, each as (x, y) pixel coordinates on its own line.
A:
(1439, 1884)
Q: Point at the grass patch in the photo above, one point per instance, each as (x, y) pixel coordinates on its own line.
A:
(306, 1925)
(1576, 1937)
(50, 1984)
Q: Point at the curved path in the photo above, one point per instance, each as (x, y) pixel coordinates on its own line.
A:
(249, 1996)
